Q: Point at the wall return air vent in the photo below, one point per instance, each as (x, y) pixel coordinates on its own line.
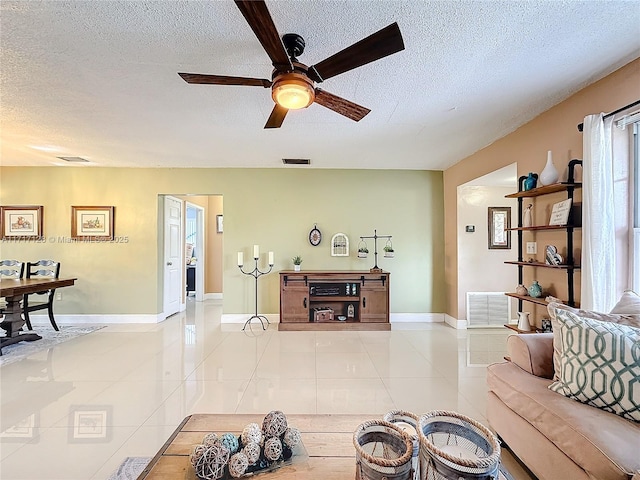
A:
(296, 161)
(74, 159)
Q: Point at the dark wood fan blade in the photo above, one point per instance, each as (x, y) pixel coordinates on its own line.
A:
(277, 117)
(199, 78)
(340, 105)
(259, 19)
(379, 45)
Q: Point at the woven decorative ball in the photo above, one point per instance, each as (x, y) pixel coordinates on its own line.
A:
(252, 451)
(291, 437)
(230, 441)
(210, 439)
(252, 433)
(274, 424)
(238, 464)
(209, 464)
(273, 449)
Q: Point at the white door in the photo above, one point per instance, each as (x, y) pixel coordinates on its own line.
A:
(173, 256)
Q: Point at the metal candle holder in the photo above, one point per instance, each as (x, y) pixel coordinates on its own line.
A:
(255, 273)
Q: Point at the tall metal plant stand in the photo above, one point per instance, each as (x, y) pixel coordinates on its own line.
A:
(256, 273)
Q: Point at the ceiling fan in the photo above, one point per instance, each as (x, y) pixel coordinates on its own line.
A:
(293, 83)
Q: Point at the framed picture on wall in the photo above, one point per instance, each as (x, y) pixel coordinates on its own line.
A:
(21, 221)
(219, 223)
(499, 221)
(92, 223)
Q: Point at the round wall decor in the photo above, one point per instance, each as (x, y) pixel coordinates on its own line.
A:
(315, 237)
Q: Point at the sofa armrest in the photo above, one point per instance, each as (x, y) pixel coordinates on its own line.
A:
(533, 353)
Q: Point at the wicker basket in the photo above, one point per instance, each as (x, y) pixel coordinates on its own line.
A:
(454, 446)
(398, 417)
(383, 451)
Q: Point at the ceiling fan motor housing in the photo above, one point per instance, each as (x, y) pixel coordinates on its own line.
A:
(293, 44)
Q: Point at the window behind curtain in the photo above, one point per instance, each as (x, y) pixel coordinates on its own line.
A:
(635, 170)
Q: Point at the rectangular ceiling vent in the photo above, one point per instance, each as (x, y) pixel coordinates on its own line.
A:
(296, 161)
(74, 159)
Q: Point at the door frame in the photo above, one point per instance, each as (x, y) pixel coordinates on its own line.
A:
(182, 258)
(201, 262)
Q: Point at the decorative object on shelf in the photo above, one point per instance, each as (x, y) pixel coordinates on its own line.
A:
(375, 237)
(551, 255)
(549, 174)
(213, 460)
(522, 290)
(391, 460)
(530, 182)
(255, 273)
(363, 250)
(560, 212)
(499, 222)
(297, 261)
(546, 325)
(351, 311)
(535, 290)
(458, 445)
(527, 216)
(523, 322)
(388, 249)
(339, 245)
(315, 237)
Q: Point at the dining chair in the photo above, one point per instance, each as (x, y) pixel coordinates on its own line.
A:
(41, 268)
(10, 269)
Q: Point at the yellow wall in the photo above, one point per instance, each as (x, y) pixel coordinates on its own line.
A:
(274, 208)
(553, 130)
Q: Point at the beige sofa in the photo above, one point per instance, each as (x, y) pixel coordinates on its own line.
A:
(556, 437)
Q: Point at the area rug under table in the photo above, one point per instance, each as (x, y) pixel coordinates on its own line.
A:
(50, 338)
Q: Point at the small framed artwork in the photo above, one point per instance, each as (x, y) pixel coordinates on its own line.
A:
(90, 423)
(219, 219)
(499, 223)
(21, 221)
(92, 223)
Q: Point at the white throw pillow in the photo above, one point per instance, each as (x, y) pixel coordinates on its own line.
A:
(599, 363)
(629, 304)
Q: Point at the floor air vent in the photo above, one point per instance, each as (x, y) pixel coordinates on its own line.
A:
(487, 309)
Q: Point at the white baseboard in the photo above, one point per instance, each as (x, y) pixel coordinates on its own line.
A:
(243, 317)
(212, 296)
(416, 317)
(98, 319)
(455, 323)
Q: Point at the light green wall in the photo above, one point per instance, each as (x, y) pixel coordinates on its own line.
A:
(274, 208)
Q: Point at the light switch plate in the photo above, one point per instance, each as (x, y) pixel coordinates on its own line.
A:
(532, 247)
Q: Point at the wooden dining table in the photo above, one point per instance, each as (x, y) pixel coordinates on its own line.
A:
(14, 290)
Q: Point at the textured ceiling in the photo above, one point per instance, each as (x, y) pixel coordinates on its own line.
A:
(98, 79)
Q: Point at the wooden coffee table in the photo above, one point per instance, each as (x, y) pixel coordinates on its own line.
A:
(327, 439)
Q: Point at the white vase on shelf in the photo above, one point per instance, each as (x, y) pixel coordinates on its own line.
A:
(527, 218)
(549, 174)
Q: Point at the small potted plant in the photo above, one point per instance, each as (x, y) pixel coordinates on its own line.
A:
(363, 252)
(388, 251)
(297, 260)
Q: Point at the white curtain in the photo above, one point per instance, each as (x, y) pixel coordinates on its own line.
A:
(598, 287)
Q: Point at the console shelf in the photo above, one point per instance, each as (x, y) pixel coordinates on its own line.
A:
(366, 294)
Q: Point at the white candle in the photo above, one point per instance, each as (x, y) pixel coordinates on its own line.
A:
(240, 259)
(256, 251)
(270, 258)
(457, 451)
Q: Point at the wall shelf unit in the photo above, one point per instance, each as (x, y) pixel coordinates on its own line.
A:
(569, 266)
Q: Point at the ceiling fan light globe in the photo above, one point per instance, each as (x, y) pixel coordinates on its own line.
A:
(292, 94)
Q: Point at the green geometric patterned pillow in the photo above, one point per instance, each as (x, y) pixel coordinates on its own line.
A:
(599, 364)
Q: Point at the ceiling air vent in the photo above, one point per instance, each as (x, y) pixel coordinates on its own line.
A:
(296, 161)
(74, 159)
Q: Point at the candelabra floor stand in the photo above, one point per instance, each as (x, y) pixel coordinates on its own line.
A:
(256, 273)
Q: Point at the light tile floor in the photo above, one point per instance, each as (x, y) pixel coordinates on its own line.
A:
(144, 379)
